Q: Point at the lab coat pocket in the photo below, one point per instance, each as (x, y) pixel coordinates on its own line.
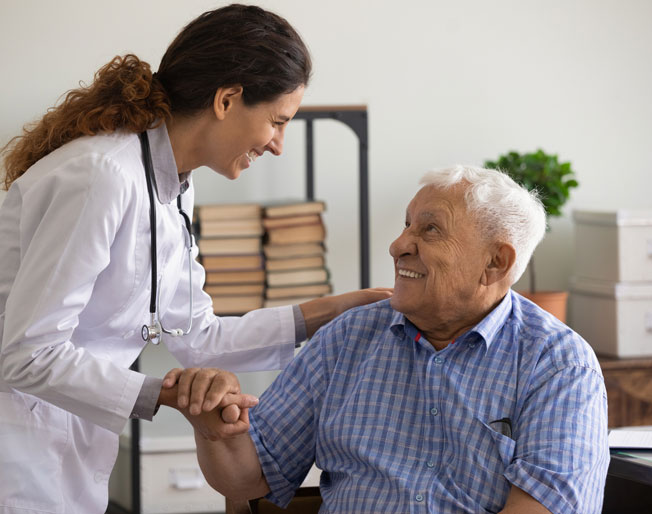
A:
(33, 437)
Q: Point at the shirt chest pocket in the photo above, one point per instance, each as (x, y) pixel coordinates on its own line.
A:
(478, 457)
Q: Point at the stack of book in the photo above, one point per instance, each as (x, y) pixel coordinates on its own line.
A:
(230, 247)
(294, 253)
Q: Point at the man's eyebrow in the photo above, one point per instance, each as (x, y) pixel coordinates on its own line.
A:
(283, 117)
(438, 214)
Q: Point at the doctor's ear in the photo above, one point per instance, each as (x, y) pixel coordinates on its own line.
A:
(502, 261)
(225, 98)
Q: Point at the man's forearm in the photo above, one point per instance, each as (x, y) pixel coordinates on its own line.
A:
(231, 466)
(226, 454)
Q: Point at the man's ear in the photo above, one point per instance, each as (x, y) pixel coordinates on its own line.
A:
(225, 98)
(500, 264)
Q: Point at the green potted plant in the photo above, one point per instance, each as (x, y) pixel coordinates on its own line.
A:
(553, 180)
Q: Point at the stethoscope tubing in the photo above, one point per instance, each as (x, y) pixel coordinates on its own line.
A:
(147, 161)
(152, 332)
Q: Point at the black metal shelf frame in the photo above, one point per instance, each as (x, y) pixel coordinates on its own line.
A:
(355, 117)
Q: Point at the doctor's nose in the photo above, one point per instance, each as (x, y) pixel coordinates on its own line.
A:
(275, 146)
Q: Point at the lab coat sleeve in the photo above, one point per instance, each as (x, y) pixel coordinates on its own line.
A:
(68, 221)
(263, 339)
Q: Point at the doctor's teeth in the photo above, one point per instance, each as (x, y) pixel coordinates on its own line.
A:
(410, 274)
(251, 155)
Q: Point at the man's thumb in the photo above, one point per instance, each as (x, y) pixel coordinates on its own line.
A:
(234, 404)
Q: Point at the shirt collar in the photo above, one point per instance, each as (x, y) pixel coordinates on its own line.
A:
(493, 322)
(487, 328)
(166, 177)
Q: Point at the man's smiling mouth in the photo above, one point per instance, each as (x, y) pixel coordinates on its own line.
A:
(410, 274)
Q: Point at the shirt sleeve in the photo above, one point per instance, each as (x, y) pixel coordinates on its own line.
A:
(284, 423)
(300, 332)
(562, 453)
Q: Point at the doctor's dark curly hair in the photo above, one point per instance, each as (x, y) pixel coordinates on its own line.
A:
(234, 45)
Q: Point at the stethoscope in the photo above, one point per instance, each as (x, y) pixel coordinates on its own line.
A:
(152, 333)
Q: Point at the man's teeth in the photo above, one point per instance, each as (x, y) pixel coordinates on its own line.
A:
(410, 274)
(252, 156)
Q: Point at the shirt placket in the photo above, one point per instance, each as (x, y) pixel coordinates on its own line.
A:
(433, 448)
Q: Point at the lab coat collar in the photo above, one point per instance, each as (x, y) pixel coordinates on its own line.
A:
(166, 178)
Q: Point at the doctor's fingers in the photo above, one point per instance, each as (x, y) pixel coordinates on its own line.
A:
(222, 385)
(194, 383)
(171, 377)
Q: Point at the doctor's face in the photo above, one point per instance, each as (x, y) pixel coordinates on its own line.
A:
(247, 132)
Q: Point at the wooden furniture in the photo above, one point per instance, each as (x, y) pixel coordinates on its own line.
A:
(307, 500)
(629, 390)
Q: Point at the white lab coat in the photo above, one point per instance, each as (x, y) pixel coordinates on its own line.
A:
(74, 293)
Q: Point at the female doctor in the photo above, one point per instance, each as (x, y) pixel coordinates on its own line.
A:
(92, 232)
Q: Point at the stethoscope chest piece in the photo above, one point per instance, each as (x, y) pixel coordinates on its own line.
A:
(151, 333)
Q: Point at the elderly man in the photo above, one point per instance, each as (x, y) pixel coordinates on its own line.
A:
(456, 395)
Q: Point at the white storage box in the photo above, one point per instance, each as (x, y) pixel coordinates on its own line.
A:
(614, 246)
(171, 481)
(614, 318)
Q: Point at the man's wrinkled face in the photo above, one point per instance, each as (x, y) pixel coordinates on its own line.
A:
(439, 258)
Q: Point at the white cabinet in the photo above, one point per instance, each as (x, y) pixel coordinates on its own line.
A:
(611, 290)
(171, 481)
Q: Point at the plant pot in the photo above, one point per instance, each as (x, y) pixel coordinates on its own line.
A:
(552, 301)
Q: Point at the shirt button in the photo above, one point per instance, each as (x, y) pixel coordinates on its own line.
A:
(472, 345)
(430, 464)
(438, 360)
(419, 497)
(434, 411)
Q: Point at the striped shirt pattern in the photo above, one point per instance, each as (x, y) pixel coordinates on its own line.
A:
(396, 426)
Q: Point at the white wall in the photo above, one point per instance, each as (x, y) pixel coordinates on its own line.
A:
(445, 82)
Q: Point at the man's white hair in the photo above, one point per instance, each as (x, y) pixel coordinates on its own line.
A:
(504, 210)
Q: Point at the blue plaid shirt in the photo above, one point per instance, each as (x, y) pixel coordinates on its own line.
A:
(397, 426)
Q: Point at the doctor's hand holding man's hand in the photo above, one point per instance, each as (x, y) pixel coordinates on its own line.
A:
(229, 419)
(210, 399)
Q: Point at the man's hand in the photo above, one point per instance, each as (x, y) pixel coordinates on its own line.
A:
(228, 420)
(210, 399)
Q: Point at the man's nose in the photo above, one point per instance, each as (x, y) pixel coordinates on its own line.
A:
(403, 245)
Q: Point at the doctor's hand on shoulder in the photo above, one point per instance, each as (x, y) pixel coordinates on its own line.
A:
(210, 399)
(321, 310)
